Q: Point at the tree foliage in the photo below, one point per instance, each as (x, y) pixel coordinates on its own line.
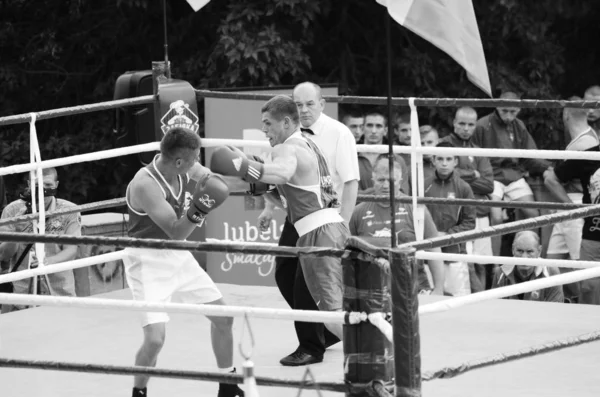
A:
(58, 53)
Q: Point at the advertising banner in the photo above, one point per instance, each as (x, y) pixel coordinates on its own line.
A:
(237, 218)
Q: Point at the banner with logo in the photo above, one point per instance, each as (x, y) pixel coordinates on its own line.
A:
(237, 218)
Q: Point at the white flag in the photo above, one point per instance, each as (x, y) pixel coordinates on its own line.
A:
(451, 26)
(197, 4)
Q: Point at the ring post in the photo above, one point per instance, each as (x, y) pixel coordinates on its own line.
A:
(405, 319)
(368, 362)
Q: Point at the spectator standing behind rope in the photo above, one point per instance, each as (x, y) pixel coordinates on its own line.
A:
(375, 133)
(478, 173)
(503, 130)
(564, 181)
(527, 245)
(58, 284)
(355, 122)
(593, 94)
(449, 219)
(372, 220)
(429, 138)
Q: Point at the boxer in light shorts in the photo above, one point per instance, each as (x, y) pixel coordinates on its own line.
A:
(305, 189)
(164, 276)
(157, 206)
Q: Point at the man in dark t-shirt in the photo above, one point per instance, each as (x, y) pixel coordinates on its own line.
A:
(587, 171)
(373, 220)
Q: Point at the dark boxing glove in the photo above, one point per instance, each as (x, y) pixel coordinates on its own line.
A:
(259, 188)
(228, 160)
(210, 192)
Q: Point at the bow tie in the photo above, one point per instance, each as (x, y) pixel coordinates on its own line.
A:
(307, 130)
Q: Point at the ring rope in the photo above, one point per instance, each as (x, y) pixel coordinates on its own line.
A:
(474, 202)
(511, 290)
(397, 101)
(297, 315)
(511, 227)
(98, 205)
(454, 151)
(61, 267)
(124, 242)
(80, 158)
(119, 202)
(169, 373)
(308, 316)
(79, 109)
(451, 372)
(506, 260)
(208, 143)
(431, 102)
(269, 249)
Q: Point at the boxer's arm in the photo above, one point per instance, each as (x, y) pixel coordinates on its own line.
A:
(235, 184)
(282, 168)
(146, 196)
(555, 186)
(273, 200)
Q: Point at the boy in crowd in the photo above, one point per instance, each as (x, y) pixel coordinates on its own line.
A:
(449, 219)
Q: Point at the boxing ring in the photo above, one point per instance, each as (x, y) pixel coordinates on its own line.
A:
(471, 345)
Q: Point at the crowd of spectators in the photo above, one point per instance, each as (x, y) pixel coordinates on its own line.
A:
(498, 179)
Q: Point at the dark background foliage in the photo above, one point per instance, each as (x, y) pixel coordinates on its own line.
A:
(57, 53)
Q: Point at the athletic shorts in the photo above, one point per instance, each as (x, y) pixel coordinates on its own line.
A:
(514, 191)
(323, 275)
(482, 246)
(566, 236)
(162, 276)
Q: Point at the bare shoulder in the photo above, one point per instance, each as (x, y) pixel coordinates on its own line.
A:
(142, 190)
(286, 149)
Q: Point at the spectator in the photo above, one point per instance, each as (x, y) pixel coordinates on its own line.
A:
(355, 122)
(567, 177)
(58, 284)
(375, 133)
(478, 173)
(402, 130)
(429, 138)
(449, 219)
(527, 245)
(371, 219)
(593, 94)
(339, 148)
(565, 240)
(503, 130)
(402, 137)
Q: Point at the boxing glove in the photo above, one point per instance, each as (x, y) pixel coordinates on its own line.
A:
(210, 192)
(259, 188)
(227, 160)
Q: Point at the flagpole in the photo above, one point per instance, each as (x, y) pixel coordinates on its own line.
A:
(390, 125)
(166, 45)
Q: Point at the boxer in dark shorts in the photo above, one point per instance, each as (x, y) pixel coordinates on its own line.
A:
(304, 188)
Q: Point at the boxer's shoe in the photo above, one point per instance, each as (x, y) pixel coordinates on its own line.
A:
(299, 358)
(229, 390)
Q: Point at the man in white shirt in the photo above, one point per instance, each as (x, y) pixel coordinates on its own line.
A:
(339, 148)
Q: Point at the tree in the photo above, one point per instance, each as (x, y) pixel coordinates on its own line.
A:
(66, 53)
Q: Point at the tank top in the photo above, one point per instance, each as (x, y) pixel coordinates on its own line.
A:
(300, 201)
(140, 224)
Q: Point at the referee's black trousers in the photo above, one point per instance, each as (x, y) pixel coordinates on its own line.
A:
(312, 337)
